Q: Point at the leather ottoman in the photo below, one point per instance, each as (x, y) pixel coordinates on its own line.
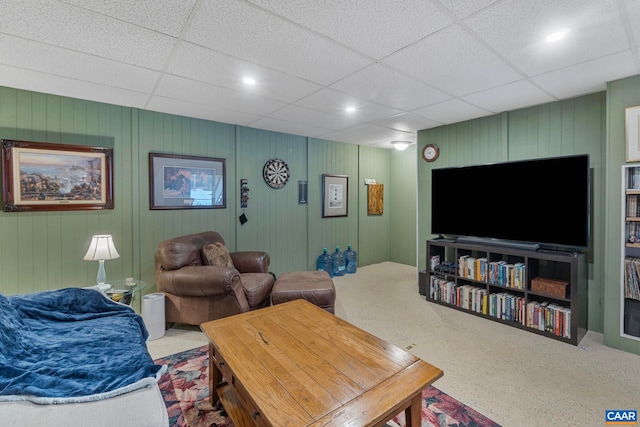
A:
(315, 287)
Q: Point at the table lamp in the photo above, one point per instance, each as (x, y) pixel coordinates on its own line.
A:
(100, 249)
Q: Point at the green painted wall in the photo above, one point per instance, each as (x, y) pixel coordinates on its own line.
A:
(332, 158)
(574, 126)
(620, 95)
(277, 223)
(401, 198)
(374, 231)
(44, 250)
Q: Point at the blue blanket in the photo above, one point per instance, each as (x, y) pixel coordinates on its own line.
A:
(71, 345)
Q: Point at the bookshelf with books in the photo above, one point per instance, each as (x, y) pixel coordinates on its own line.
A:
(539, 291)
(630, 288)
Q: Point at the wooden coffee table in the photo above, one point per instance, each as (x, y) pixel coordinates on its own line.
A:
(295, 364)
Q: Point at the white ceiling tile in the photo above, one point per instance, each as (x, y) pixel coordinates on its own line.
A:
(465, 8)
(596, 30)
(254, 35)
(453, 61)
(451, 111)
(284, 126)
(199, 111)
(633, 9)
(406, 122)
(333, 102)
(499, 99)
(593, 75)
(315, 118)
(35, 56)
(390, 25)
(20, 78)
(311, 59)
(199, 63)
(74, 28)
(164, 16)
(386, 86)
(370, 134)
(215, 96)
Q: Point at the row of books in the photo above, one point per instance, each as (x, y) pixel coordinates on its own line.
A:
(472, 268)
(507, 307)
(465, 296)
(543, 316)
(442, 290)
(552, 318)
(499, 273)
(633, 179)
(632, 230)
(633, 207)
(632, 278)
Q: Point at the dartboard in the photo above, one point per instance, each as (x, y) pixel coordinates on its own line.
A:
(275, 173)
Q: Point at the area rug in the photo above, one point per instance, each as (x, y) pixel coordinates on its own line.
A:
(185, 389)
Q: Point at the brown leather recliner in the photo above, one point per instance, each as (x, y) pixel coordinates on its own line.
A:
(196, 293)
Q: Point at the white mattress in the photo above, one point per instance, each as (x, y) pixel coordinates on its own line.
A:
(140, 408)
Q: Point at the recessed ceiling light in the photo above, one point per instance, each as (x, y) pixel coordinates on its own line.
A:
(249, 80)
(554, 37)
(350, 109)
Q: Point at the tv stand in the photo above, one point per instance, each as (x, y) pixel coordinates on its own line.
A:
(502, 243)
(543, 292)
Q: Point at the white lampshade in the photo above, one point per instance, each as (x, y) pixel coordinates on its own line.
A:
(101, 248)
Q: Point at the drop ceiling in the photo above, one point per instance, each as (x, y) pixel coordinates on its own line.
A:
(404, 65)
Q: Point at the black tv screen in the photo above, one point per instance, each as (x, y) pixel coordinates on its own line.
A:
(544, 201)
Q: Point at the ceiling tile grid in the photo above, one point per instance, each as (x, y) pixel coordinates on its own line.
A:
(404, 65)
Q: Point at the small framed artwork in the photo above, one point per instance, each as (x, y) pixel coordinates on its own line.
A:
(335, 195)
(186, 182)
(41, 176)
(375, 199)
(633, 133)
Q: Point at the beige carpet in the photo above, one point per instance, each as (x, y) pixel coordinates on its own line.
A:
(514, 377)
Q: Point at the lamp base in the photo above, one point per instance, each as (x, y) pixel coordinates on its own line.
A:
(103, 287)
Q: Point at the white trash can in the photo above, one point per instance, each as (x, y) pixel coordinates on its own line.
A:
(153, 314)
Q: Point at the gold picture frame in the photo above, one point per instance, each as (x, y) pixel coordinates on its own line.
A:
(41, 176)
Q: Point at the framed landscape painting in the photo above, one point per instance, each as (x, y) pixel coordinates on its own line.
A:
(186, 182)
(40, 176)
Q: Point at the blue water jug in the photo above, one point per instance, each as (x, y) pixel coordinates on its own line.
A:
(351, 259)
(339, 264)
(325, 262)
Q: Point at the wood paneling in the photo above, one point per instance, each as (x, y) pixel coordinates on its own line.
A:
(329, 157)
(373, 230)
(402, 205)
(157, 132)
(621, 94)
(44, 250)
(277, 223)
(574, 126)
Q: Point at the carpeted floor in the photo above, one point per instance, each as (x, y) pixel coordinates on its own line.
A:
(185, 389)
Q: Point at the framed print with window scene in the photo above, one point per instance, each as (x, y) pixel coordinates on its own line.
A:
(186, 182)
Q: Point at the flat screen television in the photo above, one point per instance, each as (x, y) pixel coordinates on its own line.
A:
(542, 201)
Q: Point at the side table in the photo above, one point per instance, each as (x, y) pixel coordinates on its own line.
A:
(122, 292)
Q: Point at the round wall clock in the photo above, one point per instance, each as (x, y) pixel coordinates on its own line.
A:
(275, 173)
(430, 152)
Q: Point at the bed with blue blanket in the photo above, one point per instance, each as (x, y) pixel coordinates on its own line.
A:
(74, 357)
